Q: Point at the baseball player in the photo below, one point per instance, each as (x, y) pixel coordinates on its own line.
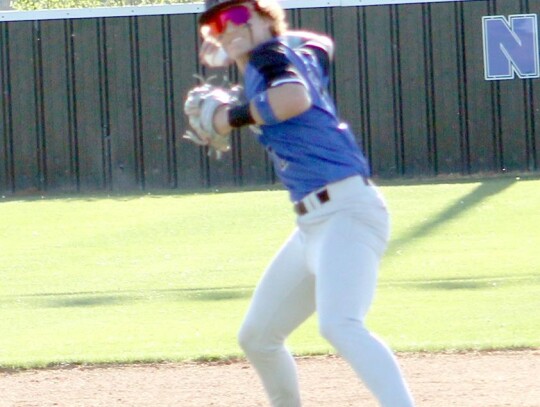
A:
(330, 262)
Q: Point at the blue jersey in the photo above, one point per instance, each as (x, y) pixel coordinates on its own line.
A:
(314, 148)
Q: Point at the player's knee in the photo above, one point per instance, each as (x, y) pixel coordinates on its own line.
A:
(336, 331)
(248, 338)
(253, 340)
(329, 330)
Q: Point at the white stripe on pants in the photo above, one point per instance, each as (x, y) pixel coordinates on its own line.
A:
(328, 265)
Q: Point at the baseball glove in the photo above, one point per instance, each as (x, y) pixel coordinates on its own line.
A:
(200, 107)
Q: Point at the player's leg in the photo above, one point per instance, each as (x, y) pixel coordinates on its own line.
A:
(347, 267)
(283, 299)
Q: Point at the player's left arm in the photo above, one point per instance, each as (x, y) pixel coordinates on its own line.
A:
(286, 95)
(285, 101)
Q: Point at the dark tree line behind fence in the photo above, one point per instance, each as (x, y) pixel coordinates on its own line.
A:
(96, 103)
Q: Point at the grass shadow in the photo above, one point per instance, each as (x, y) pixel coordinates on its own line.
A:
(113, 298)
(86, 301)
(220, 295)
(456, 285)
(485, 190)
(471, 283)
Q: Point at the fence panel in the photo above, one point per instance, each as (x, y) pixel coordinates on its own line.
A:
(6, 161)
(512, 105)
(533, 99)
(152, 108)
(56, 70)
(448, 104)
(92, 152)
(482, 124)
(347, 79)
(383, 91)
(126, 160)
(416, 103)
(190, 163)
(23, 106)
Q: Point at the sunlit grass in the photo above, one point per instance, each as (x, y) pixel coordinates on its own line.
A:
(169, 277)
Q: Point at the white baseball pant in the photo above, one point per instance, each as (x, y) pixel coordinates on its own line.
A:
(329, 265)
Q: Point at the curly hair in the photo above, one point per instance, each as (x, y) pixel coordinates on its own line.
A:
(272, 10)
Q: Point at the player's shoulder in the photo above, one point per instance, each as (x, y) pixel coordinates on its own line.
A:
(270, 53)
(319, 43)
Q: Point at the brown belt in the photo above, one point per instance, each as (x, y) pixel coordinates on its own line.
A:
(322, 196)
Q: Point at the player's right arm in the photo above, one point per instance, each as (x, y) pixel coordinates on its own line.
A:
(320, 45)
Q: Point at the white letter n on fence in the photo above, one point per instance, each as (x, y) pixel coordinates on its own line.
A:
(511, 47)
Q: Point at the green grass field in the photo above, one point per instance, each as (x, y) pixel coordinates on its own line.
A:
(169, 277)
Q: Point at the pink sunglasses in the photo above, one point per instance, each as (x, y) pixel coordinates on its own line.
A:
(237, 15)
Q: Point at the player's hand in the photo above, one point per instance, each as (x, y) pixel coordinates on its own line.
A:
(201, 104)
(213, 55)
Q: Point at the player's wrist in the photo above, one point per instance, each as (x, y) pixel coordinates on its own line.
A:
(239, 116)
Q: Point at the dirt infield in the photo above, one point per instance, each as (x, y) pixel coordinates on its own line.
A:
(485, 379)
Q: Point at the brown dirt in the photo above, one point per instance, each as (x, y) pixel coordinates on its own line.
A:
(484, 379)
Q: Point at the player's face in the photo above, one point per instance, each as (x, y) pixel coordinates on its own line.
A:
(239, 29)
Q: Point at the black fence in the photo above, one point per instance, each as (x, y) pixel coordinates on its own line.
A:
(95, 103)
